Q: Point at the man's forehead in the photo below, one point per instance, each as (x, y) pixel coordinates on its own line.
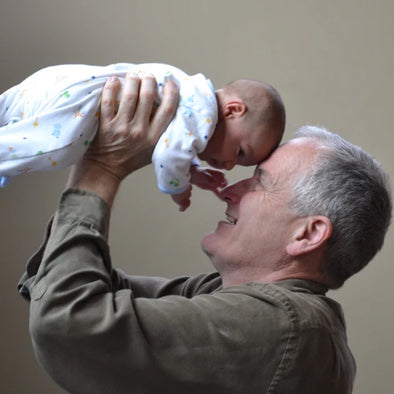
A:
(282, 151)
(296, 148)
(286, 159)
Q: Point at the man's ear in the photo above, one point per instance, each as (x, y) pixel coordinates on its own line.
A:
(234, 109)
(311, 235)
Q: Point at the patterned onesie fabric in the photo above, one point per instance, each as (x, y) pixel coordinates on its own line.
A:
(48, 120)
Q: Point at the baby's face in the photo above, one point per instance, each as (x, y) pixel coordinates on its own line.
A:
(231, 144)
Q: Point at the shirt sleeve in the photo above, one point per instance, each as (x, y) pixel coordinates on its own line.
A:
(156, 287)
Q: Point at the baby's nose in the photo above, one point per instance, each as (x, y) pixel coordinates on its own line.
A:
(229, 165)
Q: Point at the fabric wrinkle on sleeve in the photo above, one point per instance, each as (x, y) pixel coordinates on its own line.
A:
(92, 217)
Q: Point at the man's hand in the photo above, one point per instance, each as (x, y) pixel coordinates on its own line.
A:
(126, 139)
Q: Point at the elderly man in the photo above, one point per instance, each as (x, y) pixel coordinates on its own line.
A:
(313, 214)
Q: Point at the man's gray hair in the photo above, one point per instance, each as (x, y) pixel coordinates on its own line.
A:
(349, 186)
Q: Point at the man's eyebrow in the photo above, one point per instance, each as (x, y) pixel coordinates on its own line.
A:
(261, 173)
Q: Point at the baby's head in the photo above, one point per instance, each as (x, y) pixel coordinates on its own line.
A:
(251, 122)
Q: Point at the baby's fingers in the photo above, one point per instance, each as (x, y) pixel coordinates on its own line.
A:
(184, 205)
(217, 178)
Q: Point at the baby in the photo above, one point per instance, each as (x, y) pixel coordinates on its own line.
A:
(49, 120)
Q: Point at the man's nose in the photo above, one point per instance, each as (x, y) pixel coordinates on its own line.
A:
(233, 193)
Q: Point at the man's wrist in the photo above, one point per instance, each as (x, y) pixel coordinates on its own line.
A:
(91, 176)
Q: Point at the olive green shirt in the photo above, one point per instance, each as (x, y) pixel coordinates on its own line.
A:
(96, 330)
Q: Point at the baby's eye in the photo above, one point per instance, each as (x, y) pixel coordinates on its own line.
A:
(241, 152)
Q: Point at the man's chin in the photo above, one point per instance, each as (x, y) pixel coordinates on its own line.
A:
(207, 243)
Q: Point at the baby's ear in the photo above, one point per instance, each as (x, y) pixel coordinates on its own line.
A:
(234, 109)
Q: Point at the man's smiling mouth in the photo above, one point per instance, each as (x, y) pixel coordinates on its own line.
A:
(230, 219)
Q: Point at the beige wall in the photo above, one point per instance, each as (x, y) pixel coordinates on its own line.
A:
(333, 63)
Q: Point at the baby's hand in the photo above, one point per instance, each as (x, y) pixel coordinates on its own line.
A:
(183, 199)
(207, 178)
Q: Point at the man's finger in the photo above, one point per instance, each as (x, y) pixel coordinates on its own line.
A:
(129, 98)
(147, 97)
(166, 111)
(108, 99)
